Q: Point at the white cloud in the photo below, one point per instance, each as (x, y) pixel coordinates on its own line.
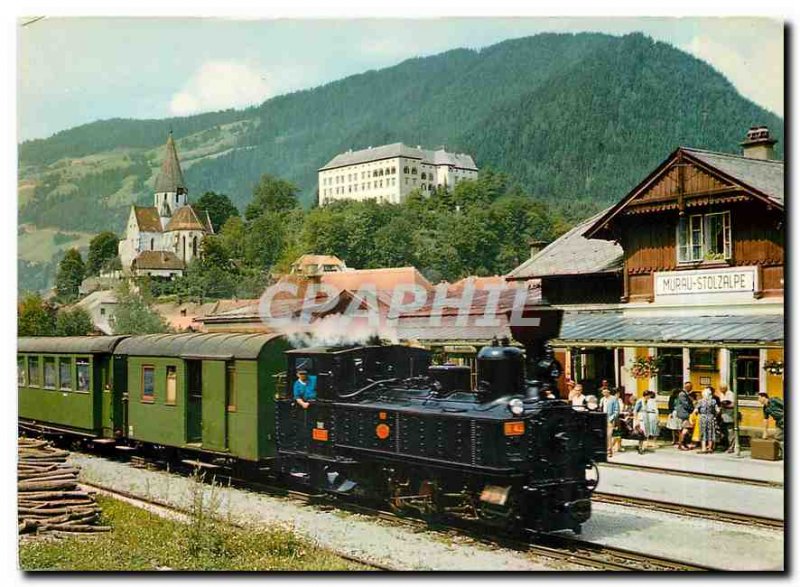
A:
(218, 85)
(749, 52)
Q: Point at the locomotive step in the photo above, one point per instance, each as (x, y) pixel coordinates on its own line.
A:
(199, 464)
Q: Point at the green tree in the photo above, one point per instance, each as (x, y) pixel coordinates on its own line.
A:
(69, 276)
(271, 194)
(219, 208)
(102, 252)
(74, 322)
(35, 317)
(133, 314)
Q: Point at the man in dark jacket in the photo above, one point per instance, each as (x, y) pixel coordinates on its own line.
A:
(773, 408)
(683, 409)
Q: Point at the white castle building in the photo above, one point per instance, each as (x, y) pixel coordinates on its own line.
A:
(390, 172)
(162, 239)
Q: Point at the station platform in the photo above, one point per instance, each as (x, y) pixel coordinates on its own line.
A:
(717, 481)
(719, 464)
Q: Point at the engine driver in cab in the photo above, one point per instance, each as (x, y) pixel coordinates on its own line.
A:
(305, 389)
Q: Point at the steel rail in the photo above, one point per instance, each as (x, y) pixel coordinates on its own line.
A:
(688, 510)
(694, 474)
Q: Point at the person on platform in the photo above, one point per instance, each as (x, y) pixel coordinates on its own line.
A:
(304, 390)
(772, 408)
(639, 421)
(609, 403)
(576, 398)
(726, 417)
(683, 409)
(706, 411)
(651, 430)
(591, 403)
(673, 422)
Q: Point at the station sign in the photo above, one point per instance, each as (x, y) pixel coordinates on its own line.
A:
(699, 286)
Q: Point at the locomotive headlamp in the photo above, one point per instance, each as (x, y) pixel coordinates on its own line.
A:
(516, 406)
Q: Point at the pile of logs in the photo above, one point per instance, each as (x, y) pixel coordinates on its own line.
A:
(48, 496)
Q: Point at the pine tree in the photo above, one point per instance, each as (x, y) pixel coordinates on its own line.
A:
(69, 276)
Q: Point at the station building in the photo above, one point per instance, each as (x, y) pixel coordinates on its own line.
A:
(685, 274)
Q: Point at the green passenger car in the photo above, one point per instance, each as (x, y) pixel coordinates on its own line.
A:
(203, 392)
(67, 383)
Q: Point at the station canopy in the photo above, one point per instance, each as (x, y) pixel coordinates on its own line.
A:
(608, 328)
(87, 345)
(212, 346)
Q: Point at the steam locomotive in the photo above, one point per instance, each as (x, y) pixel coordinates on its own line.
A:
(386, 426)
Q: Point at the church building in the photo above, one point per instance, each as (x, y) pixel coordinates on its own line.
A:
(161, 240)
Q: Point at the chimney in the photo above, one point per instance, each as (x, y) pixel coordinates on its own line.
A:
(536, 247)
(758, 144)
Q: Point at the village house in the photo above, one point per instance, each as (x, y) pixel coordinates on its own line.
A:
(389, 172)
(161, 240)
(681, 280)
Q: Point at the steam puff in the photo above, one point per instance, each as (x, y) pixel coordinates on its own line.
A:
(337, 330)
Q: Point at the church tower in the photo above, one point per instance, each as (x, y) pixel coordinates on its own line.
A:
(170, 189)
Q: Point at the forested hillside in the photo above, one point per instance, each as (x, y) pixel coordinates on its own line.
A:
(575, 120)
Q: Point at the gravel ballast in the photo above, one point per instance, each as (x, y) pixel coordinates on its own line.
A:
(398, 547)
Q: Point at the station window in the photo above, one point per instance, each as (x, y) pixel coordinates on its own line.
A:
(50, 372)
(746, 363)
(670, 373)
(82, 373)
(172, 385)
(703, 359)
(65, 374)
(230, 387)
(33, 372)
(148, 383)
(704, 237)
(22, 375)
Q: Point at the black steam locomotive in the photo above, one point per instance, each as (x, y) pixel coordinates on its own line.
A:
(387, 425)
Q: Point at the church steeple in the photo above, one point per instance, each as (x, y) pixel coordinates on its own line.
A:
(170, 189)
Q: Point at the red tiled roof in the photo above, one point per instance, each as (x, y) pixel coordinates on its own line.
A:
(157, 260)
(147, 218)
(380, 279)
(187, 218)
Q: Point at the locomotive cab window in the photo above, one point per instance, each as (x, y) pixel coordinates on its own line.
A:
(65, 374)
(82, 374)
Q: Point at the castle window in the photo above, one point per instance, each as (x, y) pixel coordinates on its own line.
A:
(152, 244)
(194, 247)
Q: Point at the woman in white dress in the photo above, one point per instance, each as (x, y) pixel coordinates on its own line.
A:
(650, 419)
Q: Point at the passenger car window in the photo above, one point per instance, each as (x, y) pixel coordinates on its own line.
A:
(82, 370)
(33, 371)
(50, 372)
(148, 383)
(22, 375)
(172, 384)
(65, 374)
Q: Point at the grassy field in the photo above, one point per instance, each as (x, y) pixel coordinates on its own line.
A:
(38, 245)
(143, 541)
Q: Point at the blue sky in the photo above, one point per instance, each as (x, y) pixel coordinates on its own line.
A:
(76, 70)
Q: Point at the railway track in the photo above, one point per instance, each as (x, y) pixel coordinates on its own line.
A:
(555, 548)
(688, 511)
(694, 474)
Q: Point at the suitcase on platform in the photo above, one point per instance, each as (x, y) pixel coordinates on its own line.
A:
(764, 449)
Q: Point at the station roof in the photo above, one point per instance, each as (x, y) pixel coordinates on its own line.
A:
(88, 345)
(221, 346)
(614, 327)
(573, 254)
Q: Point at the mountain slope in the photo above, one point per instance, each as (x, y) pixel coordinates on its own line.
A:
(575, 119)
